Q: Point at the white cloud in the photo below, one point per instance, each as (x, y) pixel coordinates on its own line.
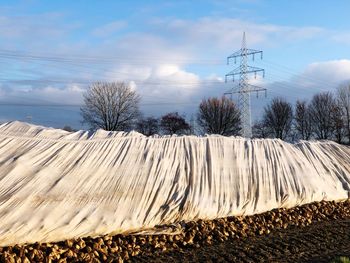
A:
(32, 27)
(156, 61)
(70, 94)
(127, 72)
(155, 83)
(341, 37)
(316, 77)
(108, 29)
(328, 72)
(173, 73)
(227, 32)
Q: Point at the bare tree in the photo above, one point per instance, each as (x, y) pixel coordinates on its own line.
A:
(343, 96)
(219, 116)
(278, 117)
(148, 126)
(259, 130)
(321, 112)
(302, 120)
(338, 123)
(173, 123)
(110, 106)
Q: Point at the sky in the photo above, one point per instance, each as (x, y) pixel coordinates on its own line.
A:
(173, 53)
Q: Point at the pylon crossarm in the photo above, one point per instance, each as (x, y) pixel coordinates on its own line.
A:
(236, 71)
(249, 90)
(246, 91)
(255, 88)
(233, 73)
(241, 53)
(255, 70)
(234, 56)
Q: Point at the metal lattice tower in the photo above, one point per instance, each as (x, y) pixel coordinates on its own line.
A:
(244, 88)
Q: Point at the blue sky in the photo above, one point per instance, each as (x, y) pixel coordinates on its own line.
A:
(172, 52)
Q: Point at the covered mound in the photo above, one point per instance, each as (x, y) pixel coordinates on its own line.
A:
(56, 185)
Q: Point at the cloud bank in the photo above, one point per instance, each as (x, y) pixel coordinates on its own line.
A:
(174, 62)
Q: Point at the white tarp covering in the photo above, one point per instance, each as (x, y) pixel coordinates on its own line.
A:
(56, 185)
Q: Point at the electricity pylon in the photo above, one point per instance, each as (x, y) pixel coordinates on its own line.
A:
(244, 88)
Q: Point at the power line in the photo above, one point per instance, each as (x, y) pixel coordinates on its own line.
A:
(16, 54)
(11, 54)
(80, 105)
(299, 75)
(81, 62)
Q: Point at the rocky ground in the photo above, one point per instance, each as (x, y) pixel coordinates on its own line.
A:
(315, 232)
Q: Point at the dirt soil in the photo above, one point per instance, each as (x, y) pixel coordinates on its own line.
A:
(319, 242)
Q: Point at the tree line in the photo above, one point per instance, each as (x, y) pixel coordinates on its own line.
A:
(325, 117)
(115, 107)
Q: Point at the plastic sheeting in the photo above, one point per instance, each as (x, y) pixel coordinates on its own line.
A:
(56, 185)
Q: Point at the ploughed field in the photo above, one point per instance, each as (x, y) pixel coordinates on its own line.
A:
(315, 232)
(320, 242)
